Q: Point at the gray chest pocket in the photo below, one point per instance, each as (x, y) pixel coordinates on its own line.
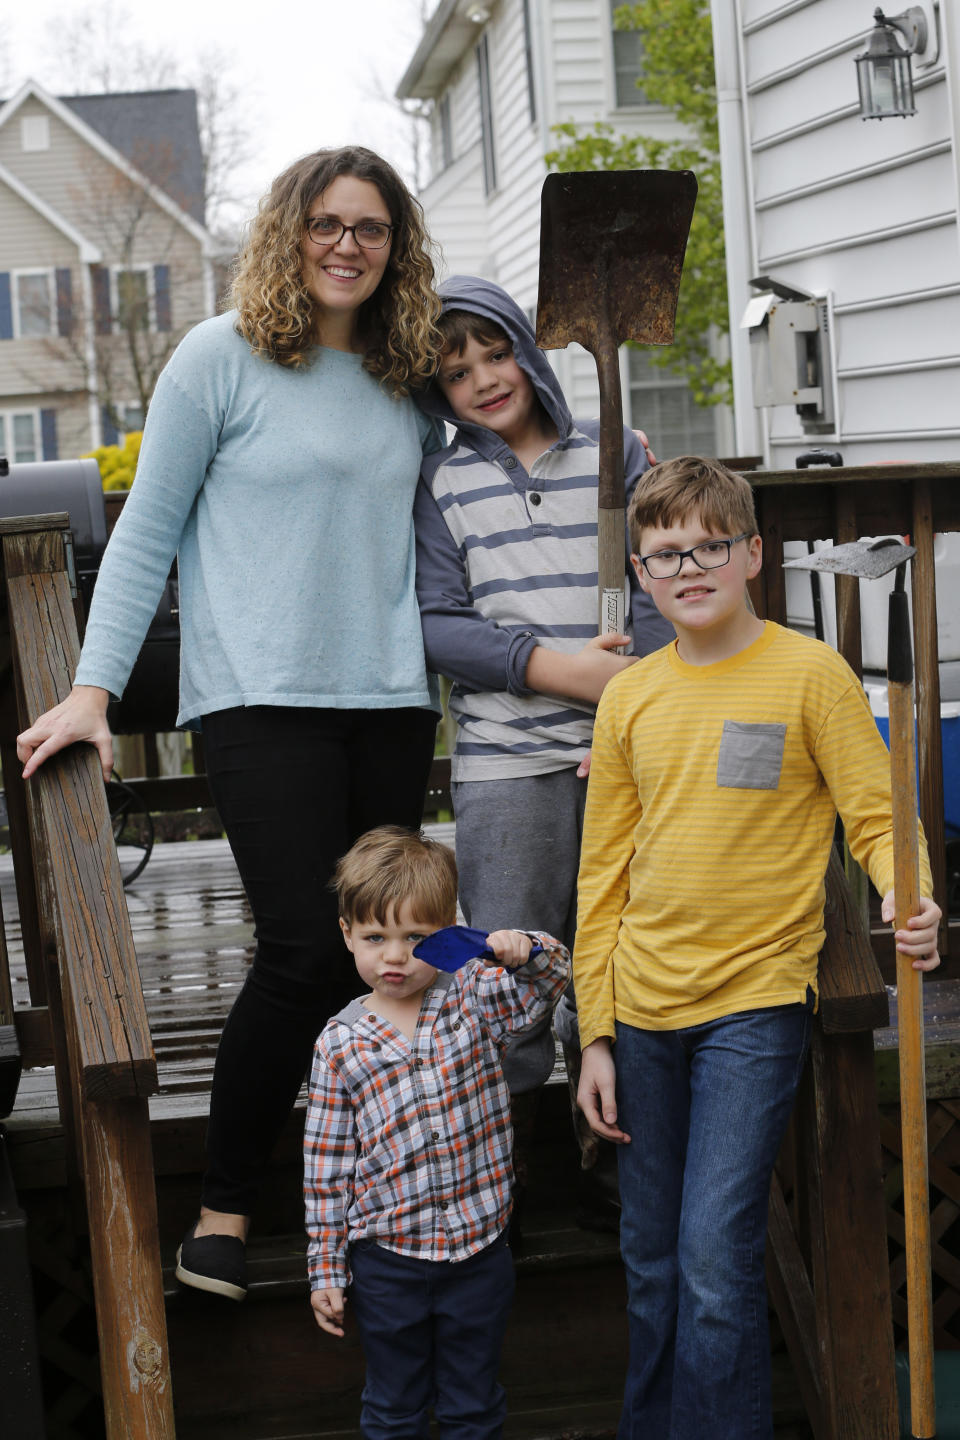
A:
(751, 756)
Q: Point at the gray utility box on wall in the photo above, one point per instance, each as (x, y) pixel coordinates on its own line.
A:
(790, 353)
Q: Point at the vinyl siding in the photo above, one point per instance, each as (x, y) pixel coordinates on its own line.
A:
(28, 241)
(97, 200)
(866, 211)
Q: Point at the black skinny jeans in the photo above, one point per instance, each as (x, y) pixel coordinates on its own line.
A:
(294, 788)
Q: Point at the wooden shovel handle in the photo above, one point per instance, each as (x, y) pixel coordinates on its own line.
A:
(610, 487)
(913, 1089)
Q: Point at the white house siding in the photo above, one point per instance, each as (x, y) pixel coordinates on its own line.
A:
(865, 212)
(581, 60)
(514, 224)
(496, 235)
(457, 217)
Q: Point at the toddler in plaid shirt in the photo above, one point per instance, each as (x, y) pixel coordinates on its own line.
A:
(407, 1143)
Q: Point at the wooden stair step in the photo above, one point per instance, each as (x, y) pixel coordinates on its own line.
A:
(264, 1371)
(277, 1265)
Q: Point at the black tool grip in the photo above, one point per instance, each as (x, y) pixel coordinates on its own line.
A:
(899, 643)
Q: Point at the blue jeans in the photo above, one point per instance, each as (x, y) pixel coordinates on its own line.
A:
(706, 1108)
(431, 1332)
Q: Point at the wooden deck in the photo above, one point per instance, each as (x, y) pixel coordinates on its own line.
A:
(193, 933)
(194, 940)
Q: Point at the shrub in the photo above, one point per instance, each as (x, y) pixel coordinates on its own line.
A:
(118, 463)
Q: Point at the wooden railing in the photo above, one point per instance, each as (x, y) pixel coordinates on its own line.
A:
(827, 1257)
(87, 1010)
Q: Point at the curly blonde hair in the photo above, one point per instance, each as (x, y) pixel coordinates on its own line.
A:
(277, 314)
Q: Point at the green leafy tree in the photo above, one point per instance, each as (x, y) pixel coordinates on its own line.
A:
(678, 74)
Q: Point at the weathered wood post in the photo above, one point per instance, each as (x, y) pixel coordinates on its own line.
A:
(105, 1062)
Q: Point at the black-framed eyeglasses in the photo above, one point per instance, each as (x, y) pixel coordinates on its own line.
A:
(709, 555)
(369, 234)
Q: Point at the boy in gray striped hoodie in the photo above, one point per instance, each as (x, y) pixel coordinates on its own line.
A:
(506, 524)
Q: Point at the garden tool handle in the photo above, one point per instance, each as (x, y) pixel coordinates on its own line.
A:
(913, 1090)
(611, 516)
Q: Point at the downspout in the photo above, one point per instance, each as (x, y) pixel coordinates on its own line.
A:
(949, 20)
(750, 437)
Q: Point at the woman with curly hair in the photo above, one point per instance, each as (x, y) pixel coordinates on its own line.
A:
(279, 463)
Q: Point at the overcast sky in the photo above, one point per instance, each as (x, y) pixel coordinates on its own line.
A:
(313, 69)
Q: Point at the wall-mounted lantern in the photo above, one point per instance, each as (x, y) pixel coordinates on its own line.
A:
(884, 71)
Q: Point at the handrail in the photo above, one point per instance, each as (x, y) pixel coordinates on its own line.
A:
(78, 868)
(846, 502)
(101, 1039)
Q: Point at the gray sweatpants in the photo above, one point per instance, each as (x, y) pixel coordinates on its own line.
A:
(518, 852)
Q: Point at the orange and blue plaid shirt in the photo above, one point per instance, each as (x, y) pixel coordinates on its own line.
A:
(409, 1143)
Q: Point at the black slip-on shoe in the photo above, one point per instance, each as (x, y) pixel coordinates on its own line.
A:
(215, 1263)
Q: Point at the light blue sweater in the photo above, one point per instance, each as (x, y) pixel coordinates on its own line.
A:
(288, 497)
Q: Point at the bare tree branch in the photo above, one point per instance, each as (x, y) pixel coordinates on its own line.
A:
(89, 55)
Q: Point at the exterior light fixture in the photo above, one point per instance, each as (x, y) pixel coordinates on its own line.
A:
(478, 14)
(884, 73)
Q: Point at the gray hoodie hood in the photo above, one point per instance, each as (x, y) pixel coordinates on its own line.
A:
(484, 298)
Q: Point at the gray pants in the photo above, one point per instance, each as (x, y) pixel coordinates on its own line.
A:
(518, 852)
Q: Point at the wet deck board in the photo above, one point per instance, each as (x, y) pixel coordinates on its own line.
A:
(193, 933)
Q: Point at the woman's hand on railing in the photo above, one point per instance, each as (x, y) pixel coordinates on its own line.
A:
(82, 716)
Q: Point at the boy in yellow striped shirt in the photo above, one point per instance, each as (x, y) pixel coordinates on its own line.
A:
(719, 765)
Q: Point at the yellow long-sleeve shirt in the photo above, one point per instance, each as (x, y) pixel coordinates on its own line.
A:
(710, 813)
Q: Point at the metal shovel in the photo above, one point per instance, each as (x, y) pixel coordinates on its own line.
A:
(869, 561)
(611, 255)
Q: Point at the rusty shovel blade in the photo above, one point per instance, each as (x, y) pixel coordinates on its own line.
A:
(866, 559)
(611, 256)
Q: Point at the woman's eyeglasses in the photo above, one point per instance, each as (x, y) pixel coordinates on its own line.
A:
(369, 234)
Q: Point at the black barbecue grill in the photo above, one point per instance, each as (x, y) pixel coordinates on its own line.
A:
(149, 703)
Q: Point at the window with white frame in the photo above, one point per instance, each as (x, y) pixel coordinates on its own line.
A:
(35, 132)
(627, 63)
(33, 303)
(130, 417)
(133, 297)
(662, 404)
(20, 436)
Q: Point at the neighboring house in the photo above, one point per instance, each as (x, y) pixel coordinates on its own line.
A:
(496, 78)
(104, 261)
(861, 213)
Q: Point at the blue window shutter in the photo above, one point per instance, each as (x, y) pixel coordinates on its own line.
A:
(101, 299)
(64, 302)
(110, 435)
(161, 295)
(6, 307)
(48, 433)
